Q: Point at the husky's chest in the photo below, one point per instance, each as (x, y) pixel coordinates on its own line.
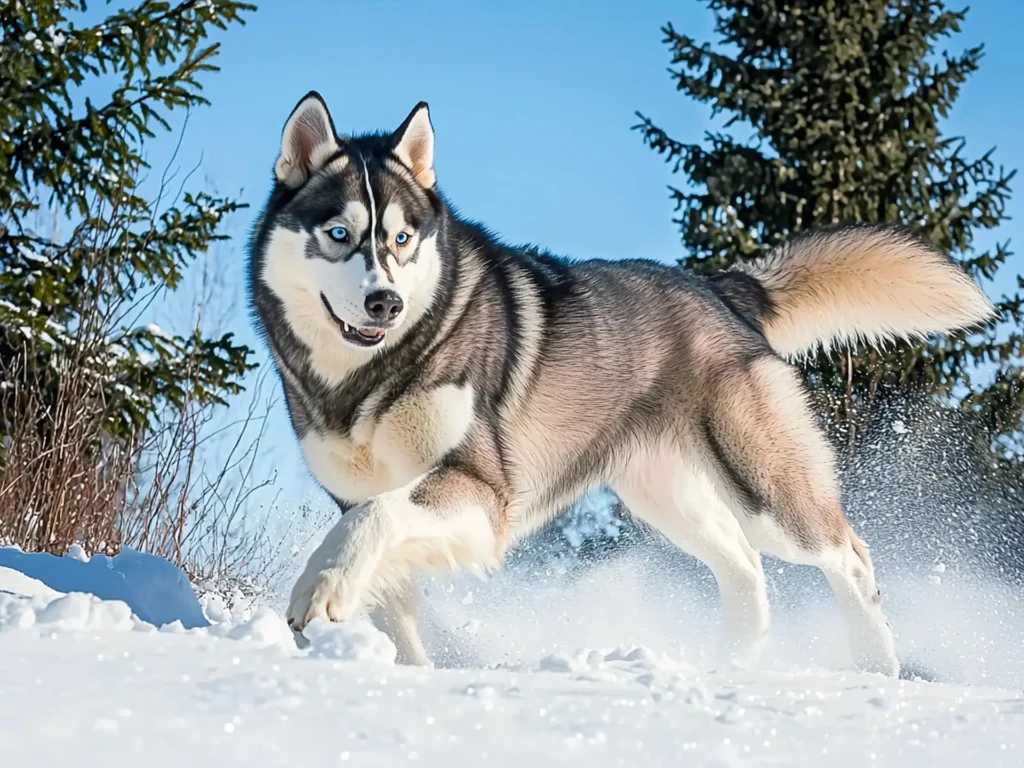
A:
(390, 450)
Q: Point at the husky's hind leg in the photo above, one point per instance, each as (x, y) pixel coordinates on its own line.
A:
(846, 564)
(782, 483)
(672, 495)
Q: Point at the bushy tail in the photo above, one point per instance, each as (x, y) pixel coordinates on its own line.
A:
(834, 286)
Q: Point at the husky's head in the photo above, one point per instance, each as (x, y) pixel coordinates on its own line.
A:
(351, 251)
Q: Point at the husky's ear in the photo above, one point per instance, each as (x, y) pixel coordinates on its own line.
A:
(308, 141)
(413, 144)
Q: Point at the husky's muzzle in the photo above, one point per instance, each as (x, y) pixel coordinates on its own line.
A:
(367, 336)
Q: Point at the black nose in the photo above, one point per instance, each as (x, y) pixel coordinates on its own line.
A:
(383, 306)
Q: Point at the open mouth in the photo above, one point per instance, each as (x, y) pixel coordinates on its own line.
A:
(361, 337)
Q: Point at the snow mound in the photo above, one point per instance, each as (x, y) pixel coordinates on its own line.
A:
(26, 602)
(631, 658)
(153, 589)
(137, 592)
(14, 582)
(662, 675)
(351, 641)
(156, 594)
(264, 628)
(222, 603)
(81, 611)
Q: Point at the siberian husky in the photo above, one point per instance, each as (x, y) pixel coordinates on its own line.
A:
(453, 393)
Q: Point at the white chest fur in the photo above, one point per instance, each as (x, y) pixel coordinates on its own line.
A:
(389, 451)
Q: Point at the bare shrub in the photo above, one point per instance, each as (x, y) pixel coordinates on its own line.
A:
(60, 481)
(192, 512)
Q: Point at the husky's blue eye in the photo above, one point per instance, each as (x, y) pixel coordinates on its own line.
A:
(402, 238)
(338, 233)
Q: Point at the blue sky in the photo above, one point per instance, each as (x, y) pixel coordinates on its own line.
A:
(532, 104)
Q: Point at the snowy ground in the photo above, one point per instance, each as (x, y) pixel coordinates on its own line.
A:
(83, 681)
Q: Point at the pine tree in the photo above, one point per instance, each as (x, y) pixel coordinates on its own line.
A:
(65, 158)
(845, 102)
(86, 241)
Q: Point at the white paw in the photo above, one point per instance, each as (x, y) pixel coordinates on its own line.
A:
(874, 649)
(880, 659)
(742, 648)
(745, 628)
(322, 594)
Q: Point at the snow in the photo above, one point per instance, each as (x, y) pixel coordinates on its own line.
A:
(158, 332)
(32, 255)
(16, 583)
(354, 642)
(85, 680)
(592, 517)
(163, 699)
(156, 591)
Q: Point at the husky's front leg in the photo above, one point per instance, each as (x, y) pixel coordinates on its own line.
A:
(395, 615)
(445, 518)
(338, 572)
